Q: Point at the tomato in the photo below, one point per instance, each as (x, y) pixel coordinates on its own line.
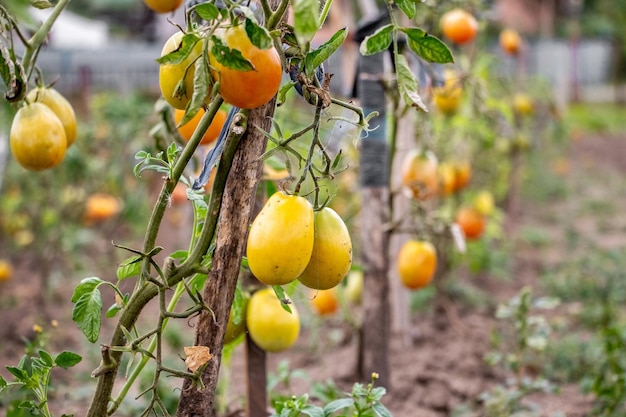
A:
(233, 331)
(324, 302)
(510, 41)
(459, 26)
(354, 287)
(416, 263)
(187, 130)
(331, 258)
(271, 327)
(101, 207)
(447, 175)
(247, 89)
(472, 222)
(60, 106)
(523, 104)
(447, 98)
(463, 174)
(6, 270)
(171, 74)
(419, 175)
(484, 203)
(280, 242)
(37, 137)
(179, 195)
(163, 6)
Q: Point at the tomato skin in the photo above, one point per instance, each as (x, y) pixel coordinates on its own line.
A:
(324, 302)
(171, 74)
(163, 6)
(247, 89)
(100, 207)
(420, 175)
(417, 263)
(6, 270)
(280, 241)
(37, 137)
(471, 222)
(271, 327)
(60, 106)
(459, 26)
(187, 130)
(331, 258)
(510, 41)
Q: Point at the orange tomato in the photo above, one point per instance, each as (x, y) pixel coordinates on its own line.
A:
(459, 26)
(463, 171)
(324, 302)
(247, 89)
(510, 41)
(187, 130)
(6, 270)
(101, 207)
(419, 175)
(417, 263)
(447, 175)
(471, 222)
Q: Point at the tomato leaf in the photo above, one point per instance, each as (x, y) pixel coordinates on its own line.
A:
(282, 296)
(129, 267)
(407, 84)
(207, 11)
(316, 57)
(88, 308)
(312, 411)
(407, 6)
(258, 35)
(12, 74)
(306, 19)
(230, 58)
(377, 42)
(201, 85)
(427, 46)
(381, 410)
(336, 405)
(67, 359)
(184, 49)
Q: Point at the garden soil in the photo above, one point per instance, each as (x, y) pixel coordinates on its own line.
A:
(437, 365)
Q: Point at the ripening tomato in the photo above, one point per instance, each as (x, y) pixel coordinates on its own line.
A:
(332, 252)
(324, 302)
(163, 6)
(171, 74)
(447, 97)
(212, 132)
(463, 171)
(416, 263)
(471, 221)
(459, 26)
(6, 270)
(280, 242)
(247, 89)
(271, 327)
(100, 207)
(510, 41)
(37, 137)
(60, 106)
(419, 175)
(484, 203)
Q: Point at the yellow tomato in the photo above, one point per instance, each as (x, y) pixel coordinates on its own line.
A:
(417, 262)
(463, 171)
(324, 302)
(6, 270)
(247, 89)
(419, 175)
(447, 175)
(163, 6)
(523, 104)
(171, 74)
(37, 137)
(271, 327)
(447, 98)
(354, 287)
(60, 106)
(331, 258)
(280, 242)
(484, 203)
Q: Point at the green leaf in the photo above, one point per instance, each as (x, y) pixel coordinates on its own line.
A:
(306, 18)
(312, 411)
(336, 405)
(87, 285)
(113, 310)
(46, 359)
(407, 84)
(282, 296)
(381, 410)
(407, 6)
(316, 57)
(67, 359)
(187, 43)
(230, 58)
(41, 4)
(258, 35)
(427, 46)
(377, 42)
(180, 254)
(129, 267)
(87, 314)
(201, 85)
(20, 374)
(207, 11)
(3, 383)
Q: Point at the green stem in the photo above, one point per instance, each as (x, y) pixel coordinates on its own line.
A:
(274, 18)
(35, 42)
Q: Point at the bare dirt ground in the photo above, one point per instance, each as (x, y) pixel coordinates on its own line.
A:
(441, 368)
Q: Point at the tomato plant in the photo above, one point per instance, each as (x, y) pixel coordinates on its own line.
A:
(270, 326)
